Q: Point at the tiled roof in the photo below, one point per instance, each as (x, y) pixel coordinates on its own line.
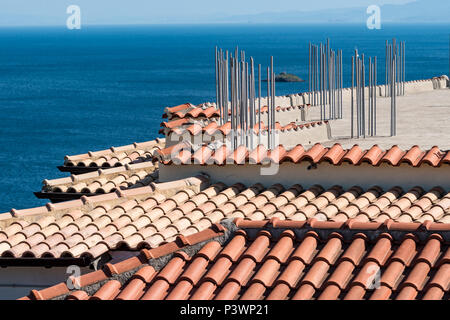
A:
(336, 155)
(149, 216)
(278, 260)
(105, 180)
(215, 232)
(213, 127)
(205, 110)
(188, 110)
(91, 226)
(175, 123)
(116, 156)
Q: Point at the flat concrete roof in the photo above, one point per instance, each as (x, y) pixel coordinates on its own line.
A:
(423, 119)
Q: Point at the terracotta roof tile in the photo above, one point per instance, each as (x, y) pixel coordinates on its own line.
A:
(178, 108)
(101, 181)
(91, 226)
(209, 111)
(434, 156)
(335, 155)
(211, 128)
(274, 259)
(116, 156)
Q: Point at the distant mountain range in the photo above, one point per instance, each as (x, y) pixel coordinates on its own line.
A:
(423, 11)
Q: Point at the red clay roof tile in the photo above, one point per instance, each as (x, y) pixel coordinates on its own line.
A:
(208, 111)
(282, 262)
(112, 157)
(434, 156)
(335, 155)
(178, 108)
(195, 127)
(147, 219)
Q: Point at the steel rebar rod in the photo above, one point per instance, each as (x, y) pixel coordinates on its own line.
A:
(268, 108)
(351, 103)
(219, 84)
(386, 73)
(309, 74)
(321, 78)
(273, 101)
(329, 75)
(370, 97)
(322, 108)
(234, 103)
(357, 93)
(333, 72)
(404, 68)
(247, 113)
(392, 98)
(217, 88)
(331, 105)
(395, 99)
(252, 100)
(317, 76)
(226, 90)
(259, 104)
(375, 99)
(339, 84)
(342, 86)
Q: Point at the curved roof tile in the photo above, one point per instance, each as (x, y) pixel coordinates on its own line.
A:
(143, 218)
(318, 153)
(278, 260)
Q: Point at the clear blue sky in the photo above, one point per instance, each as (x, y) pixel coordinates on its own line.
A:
(53, 12)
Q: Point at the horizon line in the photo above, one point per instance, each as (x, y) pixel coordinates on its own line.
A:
(221, 24)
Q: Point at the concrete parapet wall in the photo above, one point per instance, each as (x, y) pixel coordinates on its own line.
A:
(291, 114)
(297, 99)
(411, 87)
(301, 99)
(440, 82)
(280, 101)
(305, 136)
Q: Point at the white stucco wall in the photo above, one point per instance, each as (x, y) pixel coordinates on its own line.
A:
(16, 282)
(325, 174)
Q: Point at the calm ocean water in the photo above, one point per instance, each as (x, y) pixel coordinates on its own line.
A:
(68, 92)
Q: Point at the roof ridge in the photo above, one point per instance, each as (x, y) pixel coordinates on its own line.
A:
(350, 224)
(189, 110)
(95, 174)
(134, 145)
(195, 128)
(374, 155)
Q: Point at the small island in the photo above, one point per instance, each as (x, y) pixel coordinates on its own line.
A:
(287, 77)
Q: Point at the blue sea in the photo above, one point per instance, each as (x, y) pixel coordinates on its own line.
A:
(70, 91)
